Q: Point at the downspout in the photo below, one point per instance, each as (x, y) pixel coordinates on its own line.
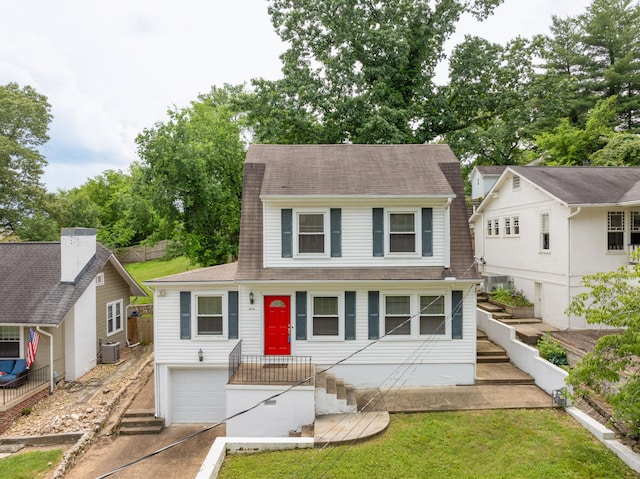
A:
(50, 336)
(569, 261)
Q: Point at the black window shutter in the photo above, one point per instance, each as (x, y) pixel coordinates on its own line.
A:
(427, 231)
(301, 315)
(336, 232)
(185, 314)
(456, 314)
(374, 314)
(378, 232)
(350, 315)
(233, 314)
(286, 215)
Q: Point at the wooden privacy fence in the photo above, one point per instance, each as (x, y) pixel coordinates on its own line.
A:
(140, 254)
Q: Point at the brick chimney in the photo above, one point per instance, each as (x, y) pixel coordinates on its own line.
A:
(78, 247)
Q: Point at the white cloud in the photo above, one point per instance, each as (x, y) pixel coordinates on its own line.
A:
(111, 69)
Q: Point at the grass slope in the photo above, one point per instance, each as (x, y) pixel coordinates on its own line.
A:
(30, 465)
(524, 444)
(156, 269)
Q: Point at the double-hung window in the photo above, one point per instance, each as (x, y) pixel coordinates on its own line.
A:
(432, 318)
(397, 315)
(489, 227)
(115, 321)
(9, 342)
(615, 231)
(496, 227)
(209, 315)
(635, 228)
(402, 233)
(507, 226)
(545, 239)
(325, 316)
(515, 224)
(311, 233)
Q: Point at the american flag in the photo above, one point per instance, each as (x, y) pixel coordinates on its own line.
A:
(34, 338)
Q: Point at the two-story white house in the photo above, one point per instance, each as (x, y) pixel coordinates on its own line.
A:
(355, 256)
(547, 227)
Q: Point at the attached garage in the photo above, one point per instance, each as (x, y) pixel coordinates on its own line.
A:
(198, 396)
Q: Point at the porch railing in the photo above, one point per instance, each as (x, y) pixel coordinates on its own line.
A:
(17, 388)
(235, 357)
(274, 370)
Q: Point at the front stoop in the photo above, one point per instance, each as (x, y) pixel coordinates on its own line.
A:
(140, 421)
(333, 396)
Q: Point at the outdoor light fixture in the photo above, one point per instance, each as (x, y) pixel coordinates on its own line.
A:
(251, 297)
(200, 355)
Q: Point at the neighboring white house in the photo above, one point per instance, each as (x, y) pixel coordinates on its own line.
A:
(546, 227)
(357, 254)
(482, 179)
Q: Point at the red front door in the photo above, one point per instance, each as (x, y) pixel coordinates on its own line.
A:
(277, 319)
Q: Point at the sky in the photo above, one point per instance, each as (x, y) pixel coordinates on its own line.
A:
(112, 69)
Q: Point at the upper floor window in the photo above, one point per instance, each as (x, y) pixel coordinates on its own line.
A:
(9, 341)
(325, 316)
(615, 231)
(311, 233)
(402, 232)
(115, 321)
(209, 315)
(545, 239)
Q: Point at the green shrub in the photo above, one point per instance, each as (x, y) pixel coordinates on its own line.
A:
(552, 351)
(511, 297)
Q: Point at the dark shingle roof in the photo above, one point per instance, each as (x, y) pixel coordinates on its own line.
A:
(354, 170)
(585, 185)
(491, 169)
(396, 170)
(30, 289)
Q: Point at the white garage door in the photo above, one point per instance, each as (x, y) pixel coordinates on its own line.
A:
(198, 395)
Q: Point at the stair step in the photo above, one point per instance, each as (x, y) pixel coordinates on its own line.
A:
(307, 431)
(140, 413)
(481, 335)
(351, 395)
(341, 392)
(501, 316)
(492, 359)
(490, 307)
(132, 431)
(512, 321)
(501, 373)
(331, 384)
(484, 347)
(133, 422)
(321, 380)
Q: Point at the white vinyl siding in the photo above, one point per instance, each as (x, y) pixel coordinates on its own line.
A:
(356, 238)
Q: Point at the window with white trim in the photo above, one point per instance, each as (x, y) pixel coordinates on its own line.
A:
(100, 279)
(325, 316)
(402, 232)
(512, 226)
(489, 227)
(496, 227)
(115, 320)
(432, 317)
(507, 226)
(615, 230)
(634, 237)
(9, 342)
(545, 238)
(311, 233)
(397, 315)
(209, 315)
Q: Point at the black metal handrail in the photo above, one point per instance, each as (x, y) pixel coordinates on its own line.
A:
(235, 357)
(21, 386)
(254, 369)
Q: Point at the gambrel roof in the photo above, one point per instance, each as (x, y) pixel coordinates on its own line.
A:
(30, 288)
(365, 171)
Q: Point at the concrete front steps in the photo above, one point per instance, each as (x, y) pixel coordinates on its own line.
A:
(493, 366)
(140, 421)
(333, 396)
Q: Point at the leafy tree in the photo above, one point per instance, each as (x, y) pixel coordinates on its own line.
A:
(25, 115)
(357, 71)
(612, 367)
(571, 145)
(192, 167)
(489, 89)
(622, 149)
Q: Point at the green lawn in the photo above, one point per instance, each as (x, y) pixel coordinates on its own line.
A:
(523, 444)
(30, 465)
(156, 269)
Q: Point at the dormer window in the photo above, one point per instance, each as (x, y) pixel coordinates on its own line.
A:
(402, 233)
(311, 233)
